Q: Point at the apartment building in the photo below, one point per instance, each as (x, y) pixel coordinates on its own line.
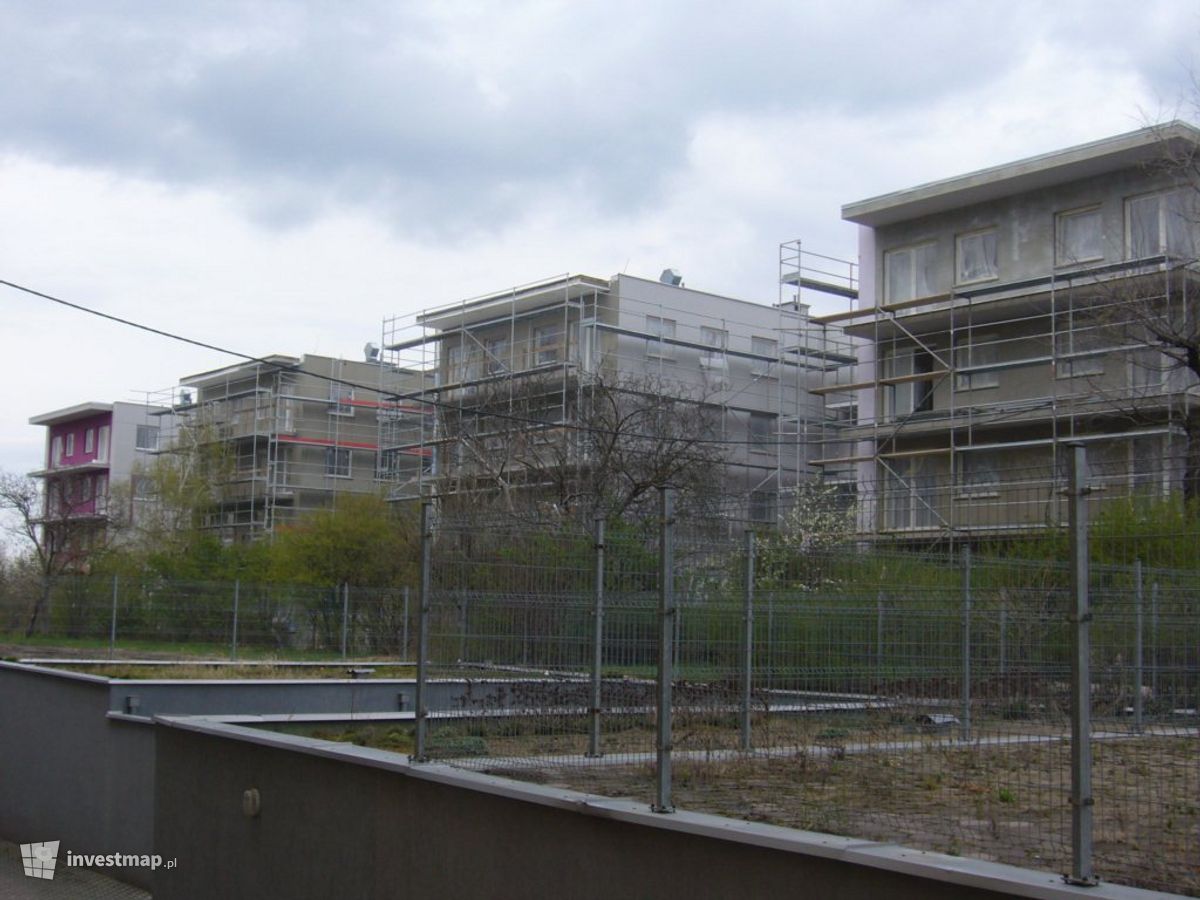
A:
(285, 435)
(524, 379)
(92, 474)
(1012, 311)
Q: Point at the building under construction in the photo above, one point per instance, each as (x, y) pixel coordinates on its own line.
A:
(524, 380)
(1011, 312)
(280, 436)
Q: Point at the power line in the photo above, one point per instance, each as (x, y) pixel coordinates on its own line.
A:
(333, 379)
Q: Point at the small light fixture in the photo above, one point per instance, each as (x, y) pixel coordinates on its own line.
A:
(251, 803)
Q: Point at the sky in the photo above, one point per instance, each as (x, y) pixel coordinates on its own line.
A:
(273, 177)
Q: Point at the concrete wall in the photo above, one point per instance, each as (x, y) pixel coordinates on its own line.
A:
(341, 697)
(338, 821)
(75, 767)
(70, 773)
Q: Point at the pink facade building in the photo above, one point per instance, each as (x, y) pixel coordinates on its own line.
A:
(90, 449)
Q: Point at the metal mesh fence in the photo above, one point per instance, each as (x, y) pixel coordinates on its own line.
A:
(209, 618)
(923, 694)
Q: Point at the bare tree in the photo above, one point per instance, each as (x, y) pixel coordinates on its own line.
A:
(602, 450)
(53, 528)
(1154, 306)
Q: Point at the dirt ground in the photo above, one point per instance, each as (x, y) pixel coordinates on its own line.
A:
(1006, 803)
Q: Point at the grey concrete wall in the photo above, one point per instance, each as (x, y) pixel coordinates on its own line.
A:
(70, 773)
(339, 821)
(75, 768)
(343, 697)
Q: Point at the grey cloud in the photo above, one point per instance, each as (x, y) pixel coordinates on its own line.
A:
(385, 105)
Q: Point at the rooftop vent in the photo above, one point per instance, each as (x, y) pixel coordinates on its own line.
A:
(671, 276)
(370, 352)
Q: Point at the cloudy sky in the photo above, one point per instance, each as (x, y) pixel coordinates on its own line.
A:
(279, 177)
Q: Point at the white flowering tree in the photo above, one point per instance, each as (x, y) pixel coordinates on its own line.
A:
(819, 521)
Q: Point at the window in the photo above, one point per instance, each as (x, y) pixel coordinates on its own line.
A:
(341, 400)
(455, 363)
(910, 495)
(1147, 472)
(977, 476)
(764, 347)
(906, 396)
(495, 356)
(842, 413)
(1079, 237)
(660, 328)
(102, 444)
(56, 451)
(1100, 463)
(1080, 352)
(1161, 224)
(101, 493)
(1148, 369)
(89, 441)
(975, 256)
(85, 488)
(715, 340)
(762, 432)
(547, 344)
(337, 462)
(143, 487)
(585, 337)
(147, 437)
(71, 444)
(908, 273)
(979, 351)
(762, 506)
(712, 422)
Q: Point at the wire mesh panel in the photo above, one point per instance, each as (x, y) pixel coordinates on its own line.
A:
(513, 618)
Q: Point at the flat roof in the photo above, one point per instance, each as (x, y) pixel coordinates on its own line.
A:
(70, 413)
(278, 360)
(1057, 167)
(519, 298)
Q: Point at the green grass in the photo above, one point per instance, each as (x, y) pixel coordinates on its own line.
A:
(99, 647)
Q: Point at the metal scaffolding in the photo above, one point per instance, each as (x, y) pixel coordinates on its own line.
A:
(284, 436)
(967, 387)
(531, 358)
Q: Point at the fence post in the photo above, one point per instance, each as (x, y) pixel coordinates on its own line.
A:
(237, 589)
(1138, 638)
(112, 633)
(666, 635)
(404, 623)
(423, 601)
(597, 641)
(879, 643)
(1003, 638)
(966, 646)
(747, 640)
(1154, 639)
(345, 614)
(464, 610)
(1082, 871)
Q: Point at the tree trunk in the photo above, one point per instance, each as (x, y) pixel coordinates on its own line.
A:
(43, 601)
